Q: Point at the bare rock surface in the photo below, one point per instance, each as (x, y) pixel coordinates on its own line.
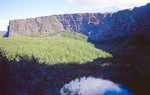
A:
(96, 26)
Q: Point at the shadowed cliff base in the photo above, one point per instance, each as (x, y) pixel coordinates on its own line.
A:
(135, 46)
(33, 78)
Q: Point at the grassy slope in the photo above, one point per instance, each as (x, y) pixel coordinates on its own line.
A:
(65, 34)
(51, 51)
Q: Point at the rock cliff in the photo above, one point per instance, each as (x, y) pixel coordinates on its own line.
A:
(96, 26)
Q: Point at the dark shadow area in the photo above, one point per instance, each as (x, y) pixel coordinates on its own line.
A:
(135, 48)
(133, 52)
(28, 77)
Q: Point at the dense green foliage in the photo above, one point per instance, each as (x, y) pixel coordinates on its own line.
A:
(73, 35)
(50, 51)
(45, 35)
(64, 34)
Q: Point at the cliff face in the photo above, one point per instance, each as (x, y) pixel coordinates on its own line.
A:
(96, 26)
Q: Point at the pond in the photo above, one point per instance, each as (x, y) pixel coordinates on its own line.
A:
(93, 86)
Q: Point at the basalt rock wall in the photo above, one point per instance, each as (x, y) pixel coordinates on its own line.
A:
(96, 26)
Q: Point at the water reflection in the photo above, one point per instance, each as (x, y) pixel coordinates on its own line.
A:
(93, 86)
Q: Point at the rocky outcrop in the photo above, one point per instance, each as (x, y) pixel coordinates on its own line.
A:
(96, 26)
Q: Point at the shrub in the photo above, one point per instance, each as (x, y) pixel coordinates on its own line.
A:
(51, 51)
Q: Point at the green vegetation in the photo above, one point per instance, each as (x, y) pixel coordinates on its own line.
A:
(64, 34)
(50, 51)
(45, 35)
(73, 35)
(106, 64)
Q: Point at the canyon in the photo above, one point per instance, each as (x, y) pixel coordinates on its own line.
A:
(96, 26)
(124, 34)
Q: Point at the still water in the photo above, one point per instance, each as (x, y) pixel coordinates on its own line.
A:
(93, 86)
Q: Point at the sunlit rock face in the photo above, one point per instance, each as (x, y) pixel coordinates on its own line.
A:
(96, 26)
(93, 86)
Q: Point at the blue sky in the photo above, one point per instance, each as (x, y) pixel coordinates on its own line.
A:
(20, 9)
